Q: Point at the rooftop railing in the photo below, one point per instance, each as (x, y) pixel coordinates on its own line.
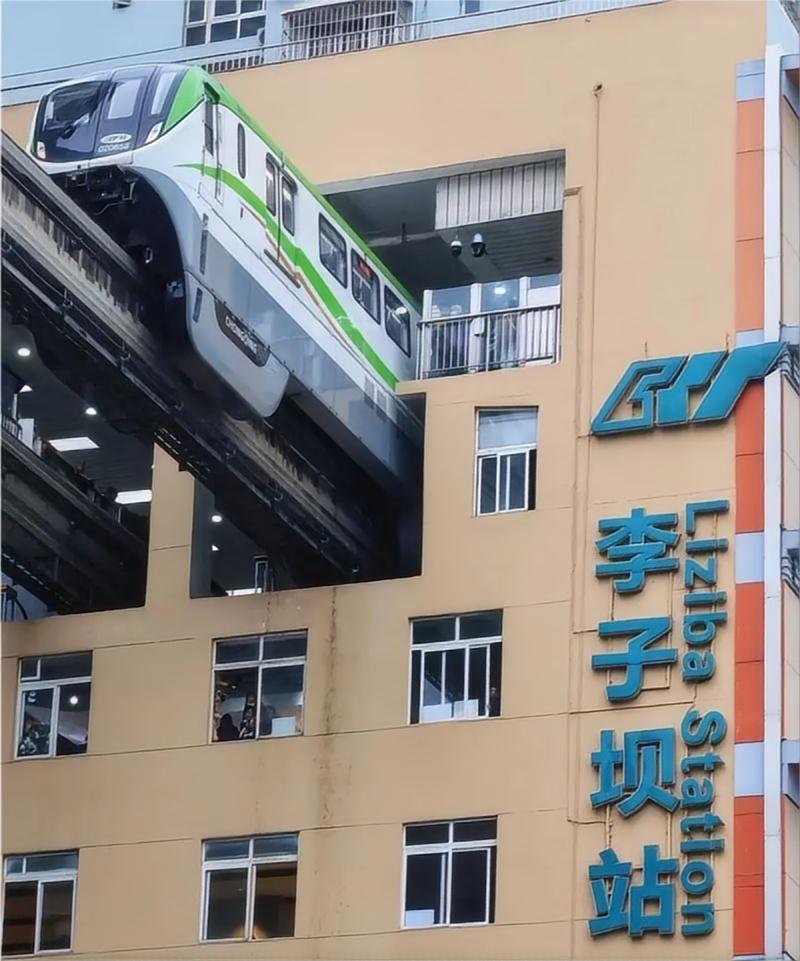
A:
(489, 341)
(240, 55)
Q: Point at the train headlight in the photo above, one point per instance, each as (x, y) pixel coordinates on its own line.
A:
(155, 130)
(40, 152)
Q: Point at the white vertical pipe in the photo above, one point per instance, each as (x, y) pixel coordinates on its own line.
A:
(773, 500)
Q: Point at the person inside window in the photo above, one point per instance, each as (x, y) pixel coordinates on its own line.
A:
(248, 728)
(35, 738)
(226, 729)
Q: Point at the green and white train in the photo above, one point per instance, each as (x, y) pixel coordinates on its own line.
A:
(268, 292)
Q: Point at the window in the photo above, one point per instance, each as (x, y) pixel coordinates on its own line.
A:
(288, 193)
(210, 21)
(122, 103)
(271, 186)
(471, 6)
(456, 667)
(39, 902)
(397, 320)
(208, 125)
(163, 88)
(53, 710)
(332, 251)
(506, 460)
(258, 686)
(241, 148)
(366, 286)
(500, 295)
(450, 872)
(249, 888)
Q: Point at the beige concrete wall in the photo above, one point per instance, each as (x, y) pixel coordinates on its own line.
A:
(648, 271)
(16, 121)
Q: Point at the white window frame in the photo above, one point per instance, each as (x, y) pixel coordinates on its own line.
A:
(456, 644)
(262, 663)
(448, 848)
(250, 862)
(55, 684)
(209, 20)
(332, 237)
(500, 453)
(41, 878)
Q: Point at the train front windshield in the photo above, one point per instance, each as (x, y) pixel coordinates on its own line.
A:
(105, 116)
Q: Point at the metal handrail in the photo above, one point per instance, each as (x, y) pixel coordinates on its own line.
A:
(491, 340)
(38, 82)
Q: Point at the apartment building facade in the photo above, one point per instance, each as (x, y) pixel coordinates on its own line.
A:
(575, 733)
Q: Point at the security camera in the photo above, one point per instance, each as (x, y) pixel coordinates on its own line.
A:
(478, 246)
(456, 247)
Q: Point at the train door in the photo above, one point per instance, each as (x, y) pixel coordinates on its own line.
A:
(211, 182)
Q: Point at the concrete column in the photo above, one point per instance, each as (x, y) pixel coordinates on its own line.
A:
(170, 546)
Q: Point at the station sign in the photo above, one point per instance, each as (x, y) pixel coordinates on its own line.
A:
(657, 392)
(669, 768)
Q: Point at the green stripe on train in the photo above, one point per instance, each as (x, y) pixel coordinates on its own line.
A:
(304, 264)
(190, 94)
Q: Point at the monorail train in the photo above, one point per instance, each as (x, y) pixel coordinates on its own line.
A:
(263, 281)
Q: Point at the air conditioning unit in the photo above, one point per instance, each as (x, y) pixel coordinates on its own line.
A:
(120, 4)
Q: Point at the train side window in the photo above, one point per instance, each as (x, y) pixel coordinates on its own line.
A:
(241, 147)
(288, 194)
(332, 251)
(271, 186)
(208, 126)
(366, 286)
(397, 320)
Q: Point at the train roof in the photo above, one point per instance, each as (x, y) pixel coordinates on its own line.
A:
(191, 92)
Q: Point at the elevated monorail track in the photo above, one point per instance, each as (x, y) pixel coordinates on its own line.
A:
(62, 540)
(84, 300)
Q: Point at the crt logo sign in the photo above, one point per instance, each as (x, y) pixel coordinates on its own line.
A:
(657, 391)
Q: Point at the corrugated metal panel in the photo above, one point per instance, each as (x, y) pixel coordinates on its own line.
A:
(499, 194)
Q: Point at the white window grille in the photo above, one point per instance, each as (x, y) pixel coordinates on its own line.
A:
(53, 705)
(324, 29)
(249, 888)
(505, 469)
(212, 21)
(450, 871)
(456, 667)
(39, 902)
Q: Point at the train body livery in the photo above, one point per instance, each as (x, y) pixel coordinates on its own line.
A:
(272, 292)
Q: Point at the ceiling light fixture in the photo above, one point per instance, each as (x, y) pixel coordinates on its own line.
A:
(91, 412)
(66, 444)
(216, 518)
(23, 351)
(134, 497)
(25, 389)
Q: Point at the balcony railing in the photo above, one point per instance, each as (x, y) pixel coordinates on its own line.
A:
(12, 426)
(490, 341)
